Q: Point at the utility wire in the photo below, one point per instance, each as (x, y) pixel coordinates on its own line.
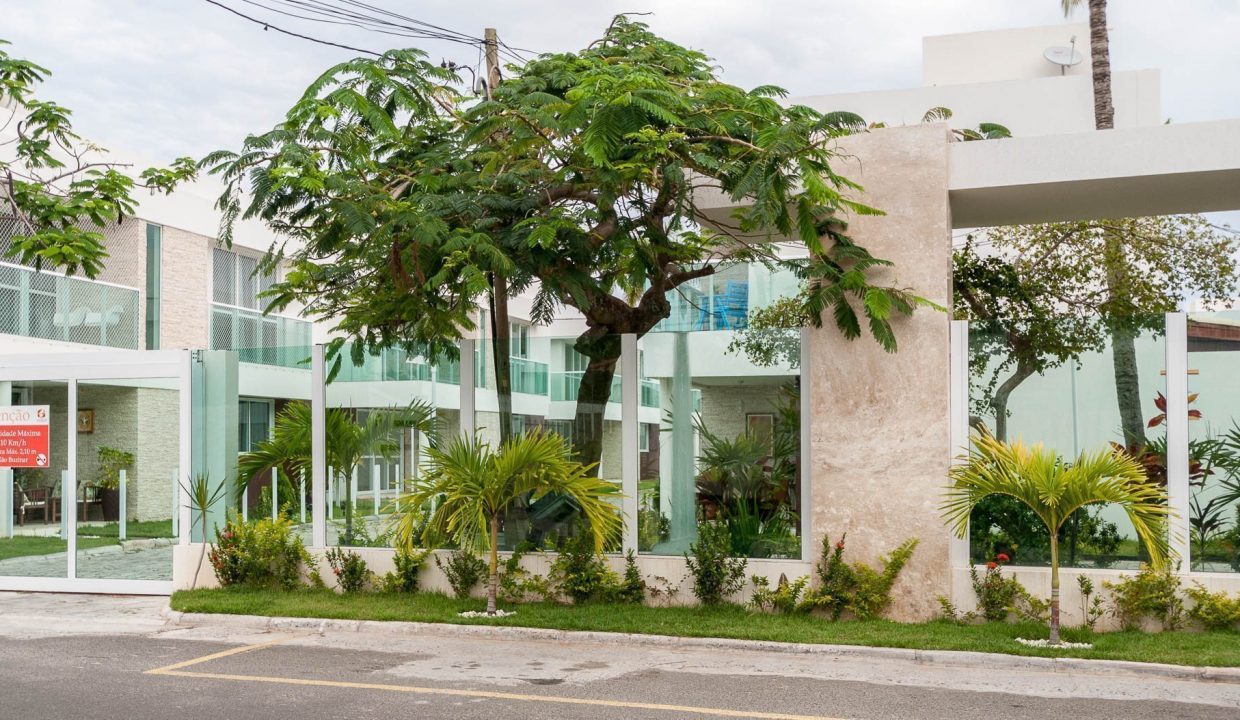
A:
(269, 26)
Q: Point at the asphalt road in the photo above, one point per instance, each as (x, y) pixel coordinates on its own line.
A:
(140, 670)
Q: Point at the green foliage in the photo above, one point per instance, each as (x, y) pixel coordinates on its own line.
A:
(259, 553)
(464, 571)
(785, 598)
(716, 574)
(653, 526)
(857, 588)
(111, 462)
(1214, 610)
(60, 189)
(1090, 602)
(1151, 593)
(517, 584)
(632, 589)
(581, 573)
(350, 569)
(1000, 598)
(404, 579)
(772, 334)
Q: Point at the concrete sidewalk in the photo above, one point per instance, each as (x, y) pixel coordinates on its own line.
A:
(518, 656)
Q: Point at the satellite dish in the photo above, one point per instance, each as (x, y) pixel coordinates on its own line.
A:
(1065, 56)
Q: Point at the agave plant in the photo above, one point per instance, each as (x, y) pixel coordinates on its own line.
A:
(470, 487)
(1053, 490)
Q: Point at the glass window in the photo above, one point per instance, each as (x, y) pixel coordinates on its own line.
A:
(1214, 441)
(154, 246)
(519, 339)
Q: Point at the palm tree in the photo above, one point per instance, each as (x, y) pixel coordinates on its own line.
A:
(348, 442)
(470, 487)
(1053, 490)
(1100, 58)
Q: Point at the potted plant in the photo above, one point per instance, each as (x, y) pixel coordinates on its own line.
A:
(108, 479)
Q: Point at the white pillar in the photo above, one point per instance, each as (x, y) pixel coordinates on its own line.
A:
(275, 494)
(353, 485)
(68, 486)
(301, 496)
(375, 477)
(806, 466)
(467, 388)
(1178, 489)
(318, 442)
(630, 445)
(176, 506)
(124, 505)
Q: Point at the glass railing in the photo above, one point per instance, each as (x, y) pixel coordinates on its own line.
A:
(528, 376)
(42, 304)
(650, 393)
(565, 386)
(723, 301)
(258, 338)
(394, 364)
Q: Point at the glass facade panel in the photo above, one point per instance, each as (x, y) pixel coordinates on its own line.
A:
(724, 447)
(154, 265)
(1071, 408)
(70, 309)
(36, 543)
(128, 450)
(1214, 441)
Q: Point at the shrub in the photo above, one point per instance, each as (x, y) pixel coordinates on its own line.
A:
(633, 587)
(259, 553)
(581, 574)
(516, 584)
(715, 575)
(404, 579)
(857, 588)
(1149, 593)
(350, 569)
(463, 570)
(1091, 604)
(1000, 597)
(786, 597)
(1215, 611)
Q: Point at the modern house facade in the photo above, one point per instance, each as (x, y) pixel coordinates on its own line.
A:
(178, 366)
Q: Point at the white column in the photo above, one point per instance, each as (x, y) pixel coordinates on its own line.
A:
(630, 445)
(958, 551)
(1178, 489)
(122, 491)
(301, 496)
(807, 466)
(275, 494)
(181, 511)
(467, 387)
(68, 486)
(353, 485)
(318, 452)
(176, 506)
(375, 476)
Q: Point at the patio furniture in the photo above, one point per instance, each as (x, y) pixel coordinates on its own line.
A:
(31, 501)
(88, 497)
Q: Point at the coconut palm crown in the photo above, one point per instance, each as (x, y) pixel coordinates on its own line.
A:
(468, 487)
(1053, 490)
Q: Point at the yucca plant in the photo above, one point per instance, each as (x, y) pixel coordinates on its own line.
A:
(201, 497)
(1053, 490)
(470, 486)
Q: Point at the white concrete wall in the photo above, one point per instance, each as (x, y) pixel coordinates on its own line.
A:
(997, 55)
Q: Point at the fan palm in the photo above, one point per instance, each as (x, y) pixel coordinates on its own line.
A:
(1053, 490)
(470, 486)
(348, 442)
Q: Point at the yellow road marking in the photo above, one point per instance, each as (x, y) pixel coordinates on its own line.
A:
(177, 670)
(222, 654)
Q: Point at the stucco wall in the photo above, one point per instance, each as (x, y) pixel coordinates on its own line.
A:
(184, 301)
(879, 438)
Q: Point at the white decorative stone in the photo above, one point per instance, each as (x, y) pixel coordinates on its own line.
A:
(1062, 644)
(484, 614)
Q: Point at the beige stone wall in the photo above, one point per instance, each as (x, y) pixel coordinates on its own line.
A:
(880, 432)
(185, 299)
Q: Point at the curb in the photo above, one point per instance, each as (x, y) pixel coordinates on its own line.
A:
(954, 658)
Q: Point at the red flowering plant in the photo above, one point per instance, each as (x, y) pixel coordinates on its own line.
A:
(996, 594)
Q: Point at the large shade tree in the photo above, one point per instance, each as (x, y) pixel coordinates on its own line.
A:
(577, 179)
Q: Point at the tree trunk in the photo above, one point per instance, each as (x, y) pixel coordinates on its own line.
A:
(1054, 586)
(1100, 52)
(1123, 344)
(501, 353)
(1000, 401)
(594, 394)
(493, 581)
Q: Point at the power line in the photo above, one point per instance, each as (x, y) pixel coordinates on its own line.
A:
(269, 26)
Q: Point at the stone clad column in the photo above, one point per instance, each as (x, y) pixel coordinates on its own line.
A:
(880, 433)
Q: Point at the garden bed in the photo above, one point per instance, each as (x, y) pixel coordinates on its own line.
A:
(1214, 649)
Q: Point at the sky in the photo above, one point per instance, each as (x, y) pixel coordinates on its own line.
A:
(166, 78)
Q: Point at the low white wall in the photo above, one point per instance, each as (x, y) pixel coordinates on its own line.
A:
(1038, 582)
(655, 569)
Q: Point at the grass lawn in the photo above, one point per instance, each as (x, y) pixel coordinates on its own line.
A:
(144, 529)
(1181, 648)
(24, 545)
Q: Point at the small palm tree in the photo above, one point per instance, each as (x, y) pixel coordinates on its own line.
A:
(348, 442)
(1054, 490)
(470, 487)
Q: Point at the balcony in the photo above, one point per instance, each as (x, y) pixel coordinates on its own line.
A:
(565, 385)
(528, 376)
(261, 339)
(55, 307)
(723, 301)
(394, 364)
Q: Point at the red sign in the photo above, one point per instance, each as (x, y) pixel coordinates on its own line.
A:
(24, 436)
